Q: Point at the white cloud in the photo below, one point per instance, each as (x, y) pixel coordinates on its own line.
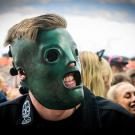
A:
(98, 33)
(89, 33)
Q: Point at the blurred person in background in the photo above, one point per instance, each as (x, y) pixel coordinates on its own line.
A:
(118, 63)
(3, 97)
(131, 63)
(131, 74)
(123, 93)
(96, 72)
(120, 77)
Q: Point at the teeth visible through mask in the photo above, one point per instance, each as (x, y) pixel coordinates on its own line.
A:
(69, 81)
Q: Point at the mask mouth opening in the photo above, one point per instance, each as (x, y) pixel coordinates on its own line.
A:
(72, 80)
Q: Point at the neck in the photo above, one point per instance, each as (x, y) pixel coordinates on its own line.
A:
(50, 114)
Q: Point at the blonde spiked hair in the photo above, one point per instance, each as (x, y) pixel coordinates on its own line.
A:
(29, 27)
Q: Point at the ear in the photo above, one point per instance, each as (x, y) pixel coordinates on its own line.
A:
(21, 74)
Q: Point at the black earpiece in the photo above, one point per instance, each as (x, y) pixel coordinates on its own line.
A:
(23, 90)
(13, 71)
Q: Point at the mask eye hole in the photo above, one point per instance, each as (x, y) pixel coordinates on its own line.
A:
(76, 52)
(52, 55)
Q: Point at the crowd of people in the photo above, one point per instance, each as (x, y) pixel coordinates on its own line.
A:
(56, 86)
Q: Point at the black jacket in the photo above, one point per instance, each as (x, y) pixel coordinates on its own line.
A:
(94, 113)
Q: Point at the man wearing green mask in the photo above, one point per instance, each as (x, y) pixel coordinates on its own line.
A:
(46, 59)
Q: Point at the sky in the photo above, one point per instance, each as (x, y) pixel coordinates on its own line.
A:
(94, 24)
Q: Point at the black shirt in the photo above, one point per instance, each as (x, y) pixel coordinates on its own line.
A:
(94, 113)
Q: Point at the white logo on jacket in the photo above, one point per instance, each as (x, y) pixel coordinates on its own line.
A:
(26, 113)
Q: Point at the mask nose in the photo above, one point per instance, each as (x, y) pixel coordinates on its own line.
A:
(72, 64)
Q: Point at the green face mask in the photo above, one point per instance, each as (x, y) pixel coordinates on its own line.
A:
(48, 64)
